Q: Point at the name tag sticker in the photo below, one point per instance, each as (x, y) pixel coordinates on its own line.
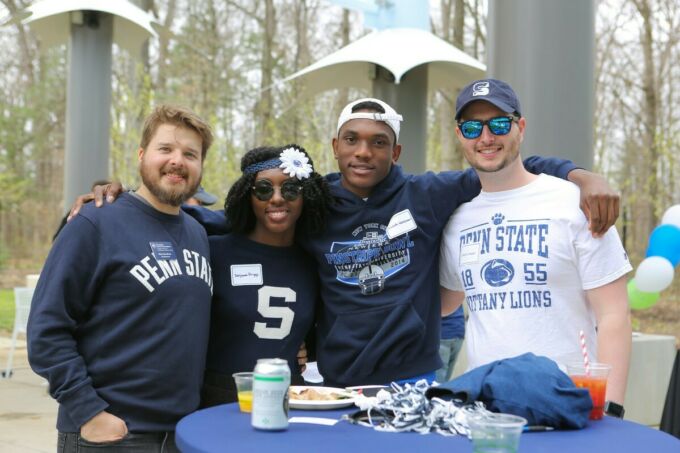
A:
(469, 253)
(162, 251)
(401, 223)
(246, 274)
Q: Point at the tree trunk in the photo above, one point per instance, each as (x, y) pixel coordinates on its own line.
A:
(451, 153)
(646, 206)
(264, 105)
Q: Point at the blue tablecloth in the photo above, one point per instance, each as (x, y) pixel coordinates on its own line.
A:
(225, 429)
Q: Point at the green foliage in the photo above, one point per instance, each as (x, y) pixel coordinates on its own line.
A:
(6, 310)
(32, 105)
(133, 103)
(4, 256)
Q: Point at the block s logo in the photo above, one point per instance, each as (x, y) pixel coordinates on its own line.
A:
(480, 89)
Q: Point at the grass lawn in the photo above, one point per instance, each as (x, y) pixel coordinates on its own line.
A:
(6, 310)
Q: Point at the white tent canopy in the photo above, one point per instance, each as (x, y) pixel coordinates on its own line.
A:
(397, 50)
(51, 20)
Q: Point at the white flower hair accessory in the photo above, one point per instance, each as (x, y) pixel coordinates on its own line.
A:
(295, 163)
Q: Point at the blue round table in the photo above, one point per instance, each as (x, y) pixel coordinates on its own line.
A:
(225, 429)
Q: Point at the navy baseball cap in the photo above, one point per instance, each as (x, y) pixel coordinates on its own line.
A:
(493, 91)
(204, 197)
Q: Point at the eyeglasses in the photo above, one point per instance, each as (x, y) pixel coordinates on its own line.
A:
(497, 126)
(264, 190)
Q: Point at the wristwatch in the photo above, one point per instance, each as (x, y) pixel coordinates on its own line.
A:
(614, 409)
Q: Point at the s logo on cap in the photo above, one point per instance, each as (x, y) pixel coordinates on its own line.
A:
(480, 89)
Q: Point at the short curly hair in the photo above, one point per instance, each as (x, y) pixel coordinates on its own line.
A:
(177, 116)
(315, 194)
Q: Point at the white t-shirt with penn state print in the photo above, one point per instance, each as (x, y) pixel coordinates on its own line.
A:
(525, 258)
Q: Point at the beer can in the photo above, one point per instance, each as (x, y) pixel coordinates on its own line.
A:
(271, 380)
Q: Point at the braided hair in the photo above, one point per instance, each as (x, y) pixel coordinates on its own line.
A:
(315, 195)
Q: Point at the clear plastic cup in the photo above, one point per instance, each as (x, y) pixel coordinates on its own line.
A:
(595, 381)
(244, 390)
(495, 433)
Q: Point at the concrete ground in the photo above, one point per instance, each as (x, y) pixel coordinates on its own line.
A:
(27, 412)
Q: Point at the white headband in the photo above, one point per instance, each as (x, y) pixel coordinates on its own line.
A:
(390, 117)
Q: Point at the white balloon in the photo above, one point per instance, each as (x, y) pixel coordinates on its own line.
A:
(672, 216)
(654, 274)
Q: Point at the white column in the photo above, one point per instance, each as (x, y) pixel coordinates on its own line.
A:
(409, 98)
(546, 50)
(88, 102)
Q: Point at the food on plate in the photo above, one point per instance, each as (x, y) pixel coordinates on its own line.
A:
(310, 394)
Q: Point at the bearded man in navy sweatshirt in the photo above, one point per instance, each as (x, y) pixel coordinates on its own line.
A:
(120, 317)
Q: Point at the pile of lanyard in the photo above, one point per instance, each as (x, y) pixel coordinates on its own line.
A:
(406, 408)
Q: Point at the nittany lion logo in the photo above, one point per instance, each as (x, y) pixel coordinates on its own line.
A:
(497, 272)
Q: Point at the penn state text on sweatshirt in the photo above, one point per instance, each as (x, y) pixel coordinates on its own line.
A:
(120, 317)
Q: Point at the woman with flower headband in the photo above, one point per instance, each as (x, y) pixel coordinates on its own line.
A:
(265, 286)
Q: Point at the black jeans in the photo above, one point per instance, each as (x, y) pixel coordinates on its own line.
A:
(132, 443)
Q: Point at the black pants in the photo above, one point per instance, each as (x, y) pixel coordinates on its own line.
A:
(670, 419)
(132, 443)
(217, 389)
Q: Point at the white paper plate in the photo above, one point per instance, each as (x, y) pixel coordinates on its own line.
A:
(319, 404)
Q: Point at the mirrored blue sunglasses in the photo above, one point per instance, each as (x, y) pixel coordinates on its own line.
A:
(499, 125)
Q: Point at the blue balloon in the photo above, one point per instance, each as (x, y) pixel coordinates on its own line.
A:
(665, 241)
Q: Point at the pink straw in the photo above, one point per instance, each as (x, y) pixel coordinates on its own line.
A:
(584, 350)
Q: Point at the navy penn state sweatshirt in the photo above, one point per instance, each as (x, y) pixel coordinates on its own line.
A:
(380, 315)
(120, 317)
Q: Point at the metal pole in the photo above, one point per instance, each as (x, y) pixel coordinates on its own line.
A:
(546, 51)
(88, 102)
(409, 98)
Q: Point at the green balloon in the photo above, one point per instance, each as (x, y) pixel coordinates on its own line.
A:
(639, 300)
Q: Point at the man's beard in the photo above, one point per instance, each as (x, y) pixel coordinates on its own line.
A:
(169, 197)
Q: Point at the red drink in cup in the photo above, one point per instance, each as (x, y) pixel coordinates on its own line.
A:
(595, 380)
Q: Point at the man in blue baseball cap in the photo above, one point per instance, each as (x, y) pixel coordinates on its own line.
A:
(493, 91)
(522, 257)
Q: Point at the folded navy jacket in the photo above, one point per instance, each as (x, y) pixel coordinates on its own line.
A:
(530, 386)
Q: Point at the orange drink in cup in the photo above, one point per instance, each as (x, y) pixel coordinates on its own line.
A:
(595, 380)
(245, 400)
(244, 390)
